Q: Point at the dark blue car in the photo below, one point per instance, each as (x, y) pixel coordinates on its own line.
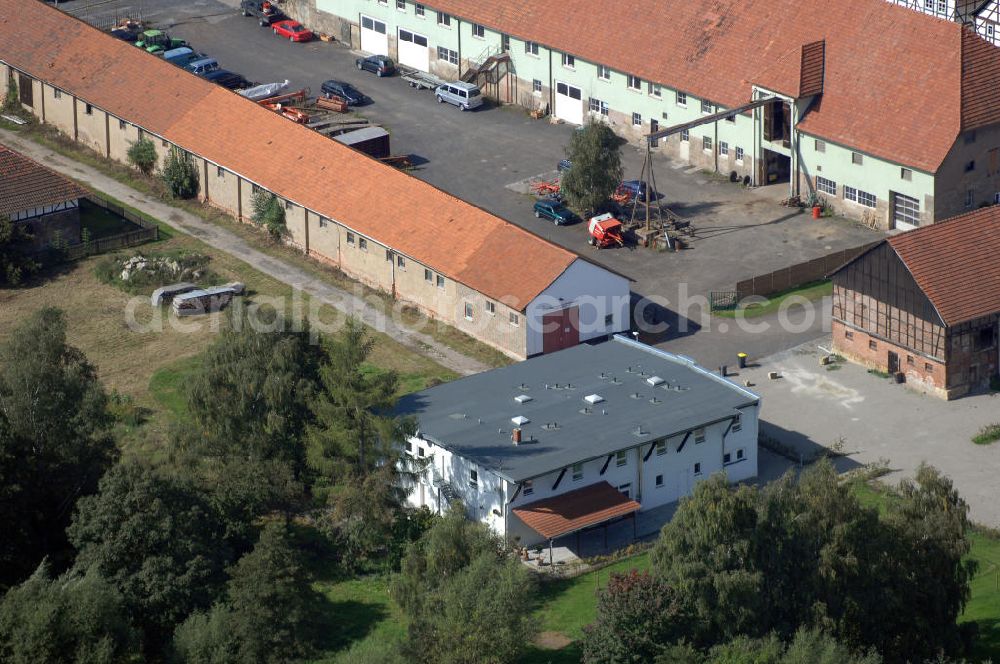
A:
(635, 188)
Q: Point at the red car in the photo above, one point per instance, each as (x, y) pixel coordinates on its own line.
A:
(293, 30)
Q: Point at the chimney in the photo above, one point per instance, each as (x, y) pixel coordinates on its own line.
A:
(515, 435)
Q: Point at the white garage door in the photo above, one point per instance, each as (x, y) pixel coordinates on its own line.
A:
(413, 50)
(905, 212)
(374, 38)
(569, 103)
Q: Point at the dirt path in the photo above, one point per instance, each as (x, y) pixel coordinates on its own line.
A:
(223, 240)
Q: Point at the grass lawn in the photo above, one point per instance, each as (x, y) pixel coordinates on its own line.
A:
(813, 291)
(151, 365)
(153, 186)
(100, 222)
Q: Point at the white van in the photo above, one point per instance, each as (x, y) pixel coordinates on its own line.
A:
(461, 94)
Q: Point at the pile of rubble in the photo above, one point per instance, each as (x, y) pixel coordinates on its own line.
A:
(145, 268)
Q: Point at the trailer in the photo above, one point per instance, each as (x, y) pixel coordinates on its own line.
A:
(419, 79)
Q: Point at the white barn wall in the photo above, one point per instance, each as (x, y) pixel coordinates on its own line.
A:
(595, 290)
(489, 503)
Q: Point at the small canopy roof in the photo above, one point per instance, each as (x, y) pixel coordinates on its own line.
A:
(573, 511)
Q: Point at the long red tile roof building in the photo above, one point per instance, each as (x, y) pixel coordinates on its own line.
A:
(461, 241)
(897, 84)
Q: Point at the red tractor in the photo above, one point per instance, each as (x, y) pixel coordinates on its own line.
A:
(605, 231)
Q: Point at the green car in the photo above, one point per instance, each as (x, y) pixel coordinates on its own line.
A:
(554, 210)
(157, 41)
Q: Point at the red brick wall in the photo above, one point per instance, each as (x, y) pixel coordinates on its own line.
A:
(921, 372)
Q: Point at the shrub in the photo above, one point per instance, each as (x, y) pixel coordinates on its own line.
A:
(11, 102)
(142, 155)
(988, 434)
(180, 174)
(269, 214)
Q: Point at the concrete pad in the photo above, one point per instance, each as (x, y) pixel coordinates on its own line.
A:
(876, 418)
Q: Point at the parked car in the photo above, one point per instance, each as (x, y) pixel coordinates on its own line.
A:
(174, 55)
(228, 79)
(128, 33)
(157, 41)
(264, 10)
(202, 66)
(293, 30)
(343, 90)
(382, 65)
(634, 188)
(564, 165)
(555, 210)
(461, 94)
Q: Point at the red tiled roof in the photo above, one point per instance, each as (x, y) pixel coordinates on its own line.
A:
(576, 510)
(892, 77)
(26, 184)
(980, 82)
(955, 263)
(451, 236)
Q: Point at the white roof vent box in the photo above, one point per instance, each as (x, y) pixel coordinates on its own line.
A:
(593, 398)
(522, 398)
(655, 380)
(520, 420)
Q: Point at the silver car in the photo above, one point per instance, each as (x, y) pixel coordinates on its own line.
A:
(461, 94)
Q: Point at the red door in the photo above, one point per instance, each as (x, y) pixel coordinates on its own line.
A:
(560, 329)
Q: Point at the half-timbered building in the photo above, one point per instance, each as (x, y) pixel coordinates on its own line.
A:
(924, 306)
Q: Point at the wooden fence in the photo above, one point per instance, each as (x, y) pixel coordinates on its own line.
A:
(797, 275)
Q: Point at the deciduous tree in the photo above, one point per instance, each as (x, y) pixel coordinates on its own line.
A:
(157, 540)
(180, 174)
(54, 442)
(265, 617)
(597, 167)
(75, 619)
(638, 616)
(142, 155)
(15, 263)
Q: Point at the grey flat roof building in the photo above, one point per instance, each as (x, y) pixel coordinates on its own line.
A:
(571, 406)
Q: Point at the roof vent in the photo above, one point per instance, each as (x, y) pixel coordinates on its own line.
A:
(520, 420)
(593, 398)
(522, 398)
(458, 416)
(655, 380)
(638, 431)
(636, 395)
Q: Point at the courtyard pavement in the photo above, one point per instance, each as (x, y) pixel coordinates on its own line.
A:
(876, 418)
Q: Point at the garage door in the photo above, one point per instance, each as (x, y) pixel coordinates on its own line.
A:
(374, 38)
(413, 50)
(905, 212)
(569, 103)
(560, 329)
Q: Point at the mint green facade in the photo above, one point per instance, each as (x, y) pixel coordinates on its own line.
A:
(575, 90)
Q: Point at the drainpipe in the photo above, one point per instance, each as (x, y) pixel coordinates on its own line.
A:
(552, 87)
(43, 103)
(458, 28)
(638, 473)
(107, 131)
(715, 144)
(305, 216)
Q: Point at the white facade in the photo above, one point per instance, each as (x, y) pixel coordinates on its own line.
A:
(597, 292)
(654, 474)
